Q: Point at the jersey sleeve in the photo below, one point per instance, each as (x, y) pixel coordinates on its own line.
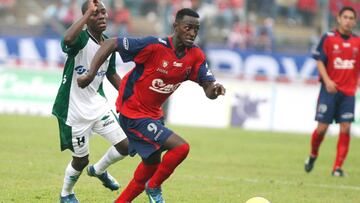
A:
(111, 68)
(77, 45)
(200, 72)
(135, 49)
(321, 50)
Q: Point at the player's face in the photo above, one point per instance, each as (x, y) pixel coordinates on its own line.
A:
(186, 30)
(98, 19)
(347, 21)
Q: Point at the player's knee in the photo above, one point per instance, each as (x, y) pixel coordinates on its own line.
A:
(185, 148)
(321, 130)
(80, 163)
(122, 147)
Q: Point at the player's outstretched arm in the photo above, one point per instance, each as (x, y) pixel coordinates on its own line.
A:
(213, 90)
(107, 47)
(74, 30)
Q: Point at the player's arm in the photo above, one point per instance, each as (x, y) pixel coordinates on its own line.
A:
(101, 55)
(213, 90)
(329, 83)
(115, 80)
(320, 55)
(74, 30)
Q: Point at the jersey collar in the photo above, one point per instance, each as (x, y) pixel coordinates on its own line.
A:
(170, 39)
(345, 37)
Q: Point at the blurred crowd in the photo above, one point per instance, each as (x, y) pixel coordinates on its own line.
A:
(259, 25)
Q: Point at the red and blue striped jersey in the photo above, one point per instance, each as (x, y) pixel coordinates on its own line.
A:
(340, 55)
(158, 72)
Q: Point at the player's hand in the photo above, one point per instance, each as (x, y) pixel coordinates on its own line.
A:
(219, 89)
(84, 81)
(331, 86)
(93, 4)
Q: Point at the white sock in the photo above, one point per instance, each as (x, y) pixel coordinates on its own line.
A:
(110, 157)
(71, 176)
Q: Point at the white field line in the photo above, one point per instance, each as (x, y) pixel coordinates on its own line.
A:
(254, 181)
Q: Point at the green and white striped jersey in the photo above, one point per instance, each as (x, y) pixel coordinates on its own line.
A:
(74, 105)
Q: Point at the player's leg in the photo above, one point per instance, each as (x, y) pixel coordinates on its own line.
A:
(177, 150)
(80, 141)
(342, 149)
(325, 112)
(344, 117)
(316, 140)
(146, 137)
(142, 174)
(109, 128)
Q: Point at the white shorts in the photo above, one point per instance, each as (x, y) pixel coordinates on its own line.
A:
(107, 126)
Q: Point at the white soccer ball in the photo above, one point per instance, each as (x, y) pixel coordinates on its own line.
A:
(257, 200)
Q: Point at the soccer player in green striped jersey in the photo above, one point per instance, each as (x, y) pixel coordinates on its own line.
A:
(80, 112)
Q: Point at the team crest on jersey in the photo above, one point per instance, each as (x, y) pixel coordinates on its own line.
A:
(165, 63)
(336, 49)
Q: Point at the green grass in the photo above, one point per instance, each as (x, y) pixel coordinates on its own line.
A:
(224, 166)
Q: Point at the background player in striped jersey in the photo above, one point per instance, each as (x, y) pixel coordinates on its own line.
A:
(161, 66)
(337, 58)
(82, 111)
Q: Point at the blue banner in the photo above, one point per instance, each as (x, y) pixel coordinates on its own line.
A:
(233, 62)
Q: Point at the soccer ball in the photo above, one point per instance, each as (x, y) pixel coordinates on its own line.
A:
(257, 200)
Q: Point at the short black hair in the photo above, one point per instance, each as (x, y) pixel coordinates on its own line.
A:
(85, 6)
(186, 12)
(347, 8)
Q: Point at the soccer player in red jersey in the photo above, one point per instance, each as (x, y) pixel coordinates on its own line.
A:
(161, 66)
(337, 58)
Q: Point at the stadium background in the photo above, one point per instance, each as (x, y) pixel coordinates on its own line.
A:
(259, 49)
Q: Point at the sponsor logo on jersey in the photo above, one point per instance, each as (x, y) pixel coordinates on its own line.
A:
(126, 43)
(108, 122)
(162, 71)
(336, 46)
(159, 86)
(346, 44)
(178, 65)
(80, 69)
(343, 63)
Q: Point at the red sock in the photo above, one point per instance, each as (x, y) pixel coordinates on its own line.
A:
(342, 149)
(142, 174)
(316, 140)
(170, 161)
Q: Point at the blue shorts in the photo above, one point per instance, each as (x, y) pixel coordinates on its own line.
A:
(145, 135)
(338, 107)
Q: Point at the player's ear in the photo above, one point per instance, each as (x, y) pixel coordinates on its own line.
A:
(175, 24)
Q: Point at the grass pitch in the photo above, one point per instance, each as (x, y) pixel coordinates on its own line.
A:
(224, 166)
